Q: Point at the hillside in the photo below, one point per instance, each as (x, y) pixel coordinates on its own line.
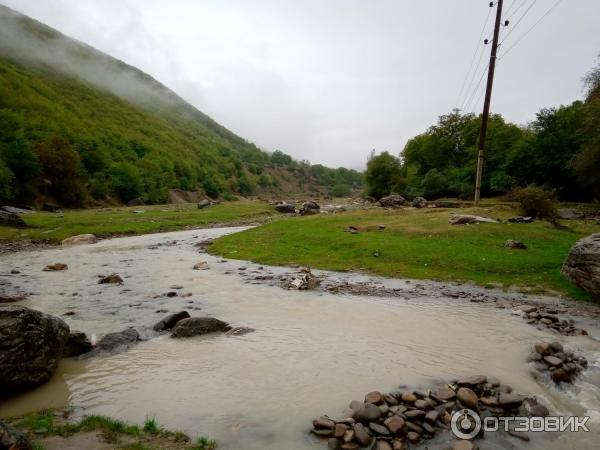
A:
(78, 127)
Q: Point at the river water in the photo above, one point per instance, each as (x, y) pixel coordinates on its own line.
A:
(311, 353)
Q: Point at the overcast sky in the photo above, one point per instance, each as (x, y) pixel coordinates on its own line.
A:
(329, 80)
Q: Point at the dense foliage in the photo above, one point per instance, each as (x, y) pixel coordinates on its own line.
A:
(559, 151)
(78, 126)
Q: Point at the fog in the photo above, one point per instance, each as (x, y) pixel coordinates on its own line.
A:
(330, 80)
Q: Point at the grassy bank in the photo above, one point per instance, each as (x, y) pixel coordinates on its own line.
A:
(126, 221)
(418, 244)
(51, 429)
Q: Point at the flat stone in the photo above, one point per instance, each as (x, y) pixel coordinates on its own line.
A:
(445, 394)
(374, 397)
(467, 397)
(432, 416)
(323, 422)
(553, 360)
(383, 445)
(414, 413)
(368, 413)
(196, 326)
(361, 435)
(395, 424)
(527, 309)
(340, 430)
(390, 399)
(543, 348)
(472, 381)
(510, 400)
(379, 429)
(413, 436)
(322, 432)
(55, 267)
(408, 397)
(422, 404)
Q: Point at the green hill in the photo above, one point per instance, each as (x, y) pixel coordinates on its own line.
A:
(78, 127)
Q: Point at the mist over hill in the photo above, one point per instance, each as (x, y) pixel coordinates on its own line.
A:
(79, 127)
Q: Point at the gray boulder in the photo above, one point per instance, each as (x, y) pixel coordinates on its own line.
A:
(77, 344)
(310, 208)
(204, 204)
(419, 202)
(392, 201)
(582, 265)
(170, 321)
(285, 208)
(196, 326)
(31, 345)
(11, 219)
(118, 341)
(12, 439)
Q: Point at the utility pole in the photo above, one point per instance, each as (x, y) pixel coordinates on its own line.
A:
(486, 105)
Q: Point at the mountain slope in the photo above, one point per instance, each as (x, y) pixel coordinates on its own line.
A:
(78, 126)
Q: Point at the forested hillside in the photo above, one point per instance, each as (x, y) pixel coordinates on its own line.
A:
(78, 127)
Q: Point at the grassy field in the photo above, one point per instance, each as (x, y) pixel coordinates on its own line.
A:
(125, 221)
(418, 244)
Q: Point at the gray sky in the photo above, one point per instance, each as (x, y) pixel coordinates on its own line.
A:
(329, 80)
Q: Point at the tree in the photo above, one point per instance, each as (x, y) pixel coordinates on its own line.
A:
(6, 183)
(126, 181)
(383, 175)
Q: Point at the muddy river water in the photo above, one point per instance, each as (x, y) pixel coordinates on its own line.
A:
(311, 352)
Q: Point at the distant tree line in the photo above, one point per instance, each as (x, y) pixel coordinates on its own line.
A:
(559, 151)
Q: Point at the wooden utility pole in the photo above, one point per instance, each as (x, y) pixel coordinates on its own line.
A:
(486, 105)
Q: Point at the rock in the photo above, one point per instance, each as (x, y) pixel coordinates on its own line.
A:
(196, 326)
(339, 431)
(77, 344)
(570, 214)
(323, 422)
(419, 202)
(51, 207)
(413, 436)
(445, 394)
(55, 267)
(432, 416)
(204, 204)
(467, 397)
(383, 445)
(543, 348)
(239, 331)
(136, 202)
(374, 397)
(539, 411)
(561, 375)
(111, 279)
(334, 444)
(15, 210)
(379, 429)
(117, 341)
(170, 321)
(557, 347)
(361, 435)
(80, 239)
(356, 406)
(368, 413)
(392, 201)
(408, 397)
(395, 424)
(521, 219)
(31, 345)
(472, 381)
(464, 445)
(509, 401)
(12, 439)
(351, 230)
(349, 446)
(422, 404)
(309, 208)
(514, 244)
(202, 265)
(528, 309)
(285, 208)
(553, 360)
(582, 265)
(10, 219)
(305, 281)
(464, 219)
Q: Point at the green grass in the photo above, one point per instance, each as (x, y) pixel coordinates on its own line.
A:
(124, 221)
(122, 435)
(418, 244)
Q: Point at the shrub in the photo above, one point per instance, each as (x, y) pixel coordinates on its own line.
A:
(340, 190)
(536, 202)
(126, 181)
(6, 181)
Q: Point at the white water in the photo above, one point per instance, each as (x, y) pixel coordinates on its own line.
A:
(311, 352)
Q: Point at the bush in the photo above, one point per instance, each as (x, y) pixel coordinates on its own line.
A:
(340, 190)
(383, 175)
(126, 181)
(536, 202)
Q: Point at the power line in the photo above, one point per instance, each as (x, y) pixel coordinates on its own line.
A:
(477, 47)
(468, 103)
(509, 16)
(518, 22)
(531, 28)
(514, 2)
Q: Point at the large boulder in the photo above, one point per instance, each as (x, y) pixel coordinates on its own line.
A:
(11, 219)
(80, 239)
(285, 208)
(170, 321)
(465, 219)
(120, 340)
(310, 208)
(196, 326)
(419, 202)
(392, 201)
(204, 204)
(11, 439)
(31, 345)
(582, 265)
